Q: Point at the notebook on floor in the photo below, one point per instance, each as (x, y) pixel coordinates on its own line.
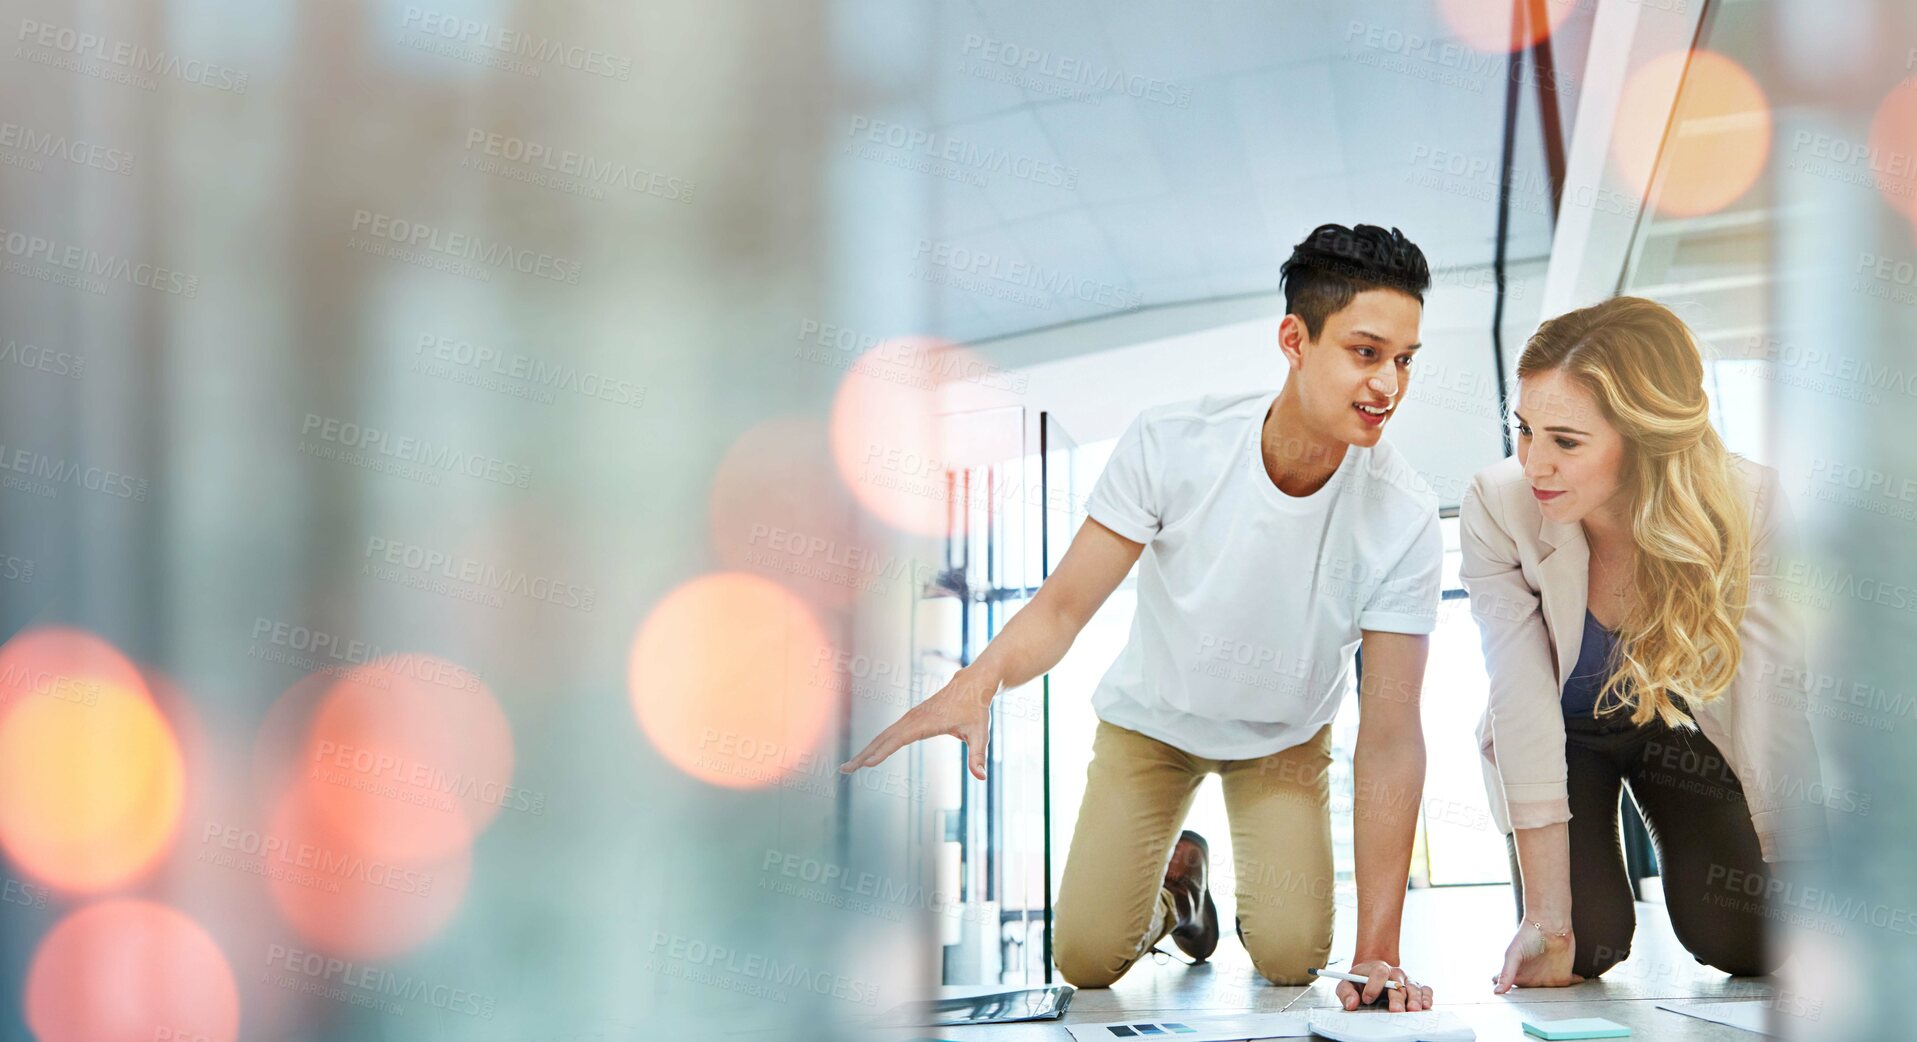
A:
(1373, 1026)
(1005, 1006)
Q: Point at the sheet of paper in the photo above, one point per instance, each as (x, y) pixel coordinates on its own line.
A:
(1750, 1014)
(1196, 1029)
(1373, 1026)
(1358, 1026)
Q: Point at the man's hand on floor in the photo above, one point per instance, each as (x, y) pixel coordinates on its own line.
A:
(1409, 998)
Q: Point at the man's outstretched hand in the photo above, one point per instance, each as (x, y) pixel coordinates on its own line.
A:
(962, 709)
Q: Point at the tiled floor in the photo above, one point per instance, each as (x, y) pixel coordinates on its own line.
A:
(1454, 941)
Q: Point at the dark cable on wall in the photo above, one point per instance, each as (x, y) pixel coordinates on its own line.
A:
(1514, 73)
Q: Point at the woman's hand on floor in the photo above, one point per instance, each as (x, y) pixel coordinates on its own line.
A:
(1536, 959)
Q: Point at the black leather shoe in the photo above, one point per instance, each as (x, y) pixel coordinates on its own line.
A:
(1188, 877)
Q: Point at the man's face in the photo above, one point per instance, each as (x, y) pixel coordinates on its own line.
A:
(1354, 374)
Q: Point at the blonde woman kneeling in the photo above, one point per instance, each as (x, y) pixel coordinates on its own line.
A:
(1620, 570)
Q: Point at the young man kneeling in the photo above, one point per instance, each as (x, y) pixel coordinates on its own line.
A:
(1277, 534)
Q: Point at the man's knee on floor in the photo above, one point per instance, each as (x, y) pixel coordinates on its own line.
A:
(1285, 960)
(1087, 961)
(1086, 973)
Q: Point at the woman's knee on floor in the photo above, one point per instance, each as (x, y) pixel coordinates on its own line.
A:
(1741, 949)
(1604, 932)
(1751, 962)
(1597, 955)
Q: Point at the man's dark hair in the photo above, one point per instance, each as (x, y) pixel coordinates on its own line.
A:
(1336, 263)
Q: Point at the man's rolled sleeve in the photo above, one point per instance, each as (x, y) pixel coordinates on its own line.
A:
(1125, 498)
(1407, 600)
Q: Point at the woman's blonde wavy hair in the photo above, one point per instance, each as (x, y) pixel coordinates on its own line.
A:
(1688, 518)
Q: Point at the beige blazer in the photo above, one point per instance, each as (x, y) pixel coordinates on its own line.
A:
(1528, 580)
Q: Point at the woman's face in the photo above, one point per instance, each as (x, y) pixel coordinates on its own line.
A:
(1572, 455)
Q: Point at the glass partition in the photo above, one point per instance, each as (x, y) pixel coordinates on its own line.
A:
(1063, 511)
(1716, 268)
(990, 836)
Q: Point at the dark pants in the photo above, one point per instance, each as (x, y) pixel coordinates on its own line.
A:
(1694, 809)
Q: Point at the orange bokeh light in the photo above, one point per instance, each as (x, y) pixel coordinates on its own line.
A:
(130, 971)
(62, 663)
(777, 509)
(885, 430)
(279, 746)
(404, 765)
(732, 680)
(1718, 139)
(1893, 147)
(91, 776)
(1488, 27)
(353, 901)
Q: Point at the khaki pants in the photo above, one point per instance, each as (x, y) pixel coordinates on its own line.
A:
(1112, 904)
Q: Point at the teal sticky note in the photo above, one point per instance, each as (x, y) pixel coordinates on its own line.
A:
(1580, 1027)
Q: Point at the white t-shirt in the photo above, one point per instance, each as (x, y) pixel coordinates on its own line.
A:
(1250, 601)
